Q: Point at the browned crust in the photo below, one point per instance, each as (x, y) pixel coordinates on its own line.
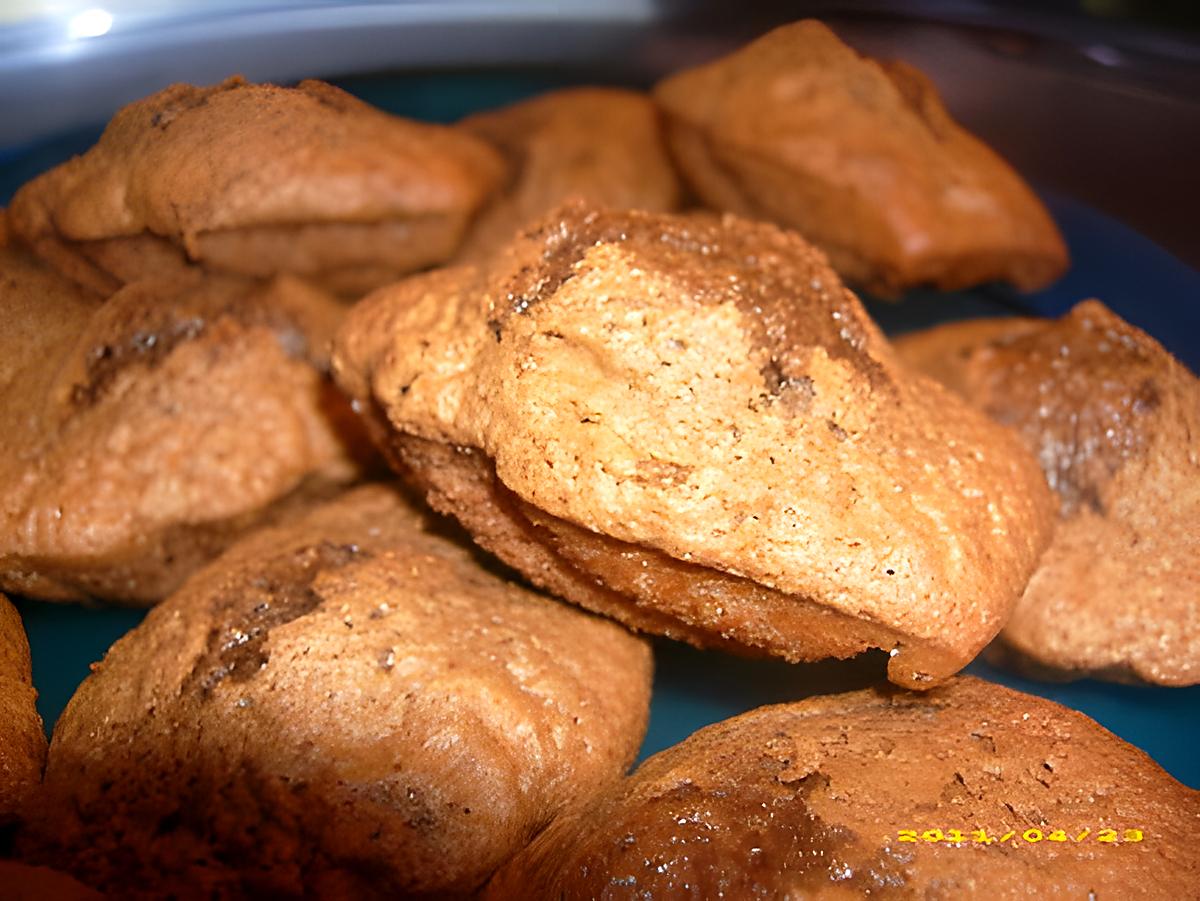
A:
(644, 588)
(809, 800)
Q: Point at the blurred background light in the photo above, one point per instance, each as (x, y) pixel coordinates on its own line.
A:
(91, 23)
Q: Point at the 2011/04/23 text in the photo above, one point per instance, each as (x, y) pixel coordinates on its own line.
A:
(1030, 836)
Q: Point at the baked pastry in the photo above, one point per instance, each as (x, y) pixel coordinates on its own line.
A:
(347, 706)
(22, 739)
(967, 791)
(942, 352)
(1115, 421)
(25, 883)
(602, 145)
(140, 434)
(258, 180)
(862, 159)
(688, 424)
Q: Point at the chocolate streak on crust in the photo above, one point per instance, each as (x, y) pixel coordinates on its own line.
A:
(641, 587)
(734, 822)
(280, 593)
(149, 343)
(1085, 423)
(105, 361)
(740, 265)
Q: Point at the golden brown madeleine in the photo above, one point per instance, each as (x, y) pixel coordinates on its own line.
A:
(687, 423)
(862, 159)
(971, 790)
(258, 180)
(347, 706)
(944, 352)
(22, 738)
(140, 434)
(1115, 421)
(601, 145)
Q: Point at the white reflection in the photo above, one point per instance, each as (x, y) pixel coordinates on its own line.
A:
(90, 23)
(1104, 55)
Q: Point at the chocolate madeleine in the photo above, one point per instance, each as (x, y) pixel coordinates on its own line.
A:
(687, 423)
(604, 146)
(862, 159)
(258, 180)
(140, 434)
(345, 706)
(1114, 420)
(967, 791)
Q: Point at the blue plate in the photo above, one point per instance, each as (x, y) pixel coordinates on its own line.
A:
(1135, 277)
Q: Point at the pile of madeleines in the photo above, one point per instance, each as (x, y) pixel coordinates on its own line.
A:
(412, 433)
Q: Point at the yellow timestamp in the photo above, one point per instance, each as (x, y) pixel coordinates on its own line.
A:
(1031, 836)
